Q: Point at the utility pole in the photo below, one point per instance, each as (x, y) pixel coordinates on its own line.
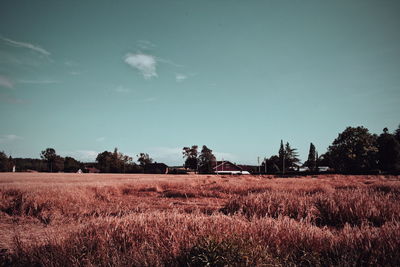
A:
(259, 167)
(265, 165)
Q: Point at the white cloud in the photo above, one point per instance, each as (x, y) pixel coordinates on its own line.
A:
(75, 72)
(146, 64)
(122, 89)
(168, 155)
(6, 82)
(33, 47)
(38, 81)
(9, 138)
(180, 77)
(85, 155)
(100, 139)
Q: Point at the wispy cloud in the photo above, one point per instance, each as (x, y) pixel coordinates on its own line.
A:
(75, 72)
(83, 155)
(5, 98)
(146, 64)
(180, 77)
(38, 81)
(144, 44)
(9, 138)
(30, 46)
(170, 62)
(122, 89)
(100, 139)
(6, 82)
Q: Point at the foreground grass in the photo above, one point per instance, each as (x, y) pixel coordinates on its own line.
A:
(199, 221)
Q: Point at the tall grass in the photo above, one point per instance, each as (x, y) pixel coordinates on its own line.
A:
(206, 221)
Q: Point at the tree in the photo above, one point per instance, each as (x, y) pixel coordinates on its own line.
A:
(397, 134)
(50, 156)
(354, 150)
(206, 160)
(282, 155)
(272, 164)
(71, 164)
(311, 162)
(388, 152)
(190, 153)
(144, 158)
(115, 162)
(291, 156)
(4, 162)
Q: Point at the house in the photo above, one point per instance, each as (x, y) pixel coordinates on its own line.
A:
(227, 167)
(92, 170)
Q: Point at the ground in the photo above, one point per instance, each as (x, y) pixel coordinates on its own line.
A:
(177, 214)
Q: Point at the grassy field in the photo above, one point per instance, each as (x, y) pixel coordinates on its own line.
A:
(198, 220)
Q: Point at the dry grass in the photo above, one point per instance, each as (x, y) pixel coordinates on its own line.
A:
(162, 220)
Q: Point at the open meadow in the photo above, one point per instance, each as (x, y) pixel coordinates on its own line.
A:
(57, 219)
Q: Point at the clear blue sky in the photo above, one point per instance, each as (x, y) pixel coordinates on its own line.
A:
(154, 76)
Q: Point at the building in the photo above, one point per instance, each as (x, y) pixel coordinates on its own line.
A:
(227, 167)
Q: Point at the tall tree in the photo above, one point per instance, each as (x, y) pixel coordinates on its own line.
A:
(206, 160)
(144, 158)
(311, 162)
(282, 155)
(71, 164)
(291, 156)
(397, 134)
(190, 153)
(388, 152)
(114, 162)
(50, 156)
(4, 162)
(354, 150)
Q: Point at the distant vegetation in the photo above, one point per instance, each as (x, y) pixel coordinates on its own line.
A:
(355, 150)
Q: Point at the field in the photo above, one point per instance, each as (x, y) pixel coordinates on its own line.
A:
(198, 220)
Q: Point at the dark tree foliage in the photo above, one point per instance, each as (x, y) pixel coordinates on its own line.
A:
(282, 155)
(388, 152)
(291, 156)
(397, 134)
(206, 160)
(144, 158)
(191, 154)
(71, 164)
(272, 165)
(49, 155)
(115, 162)
(5, 162)
(354, 150)
(311, 162)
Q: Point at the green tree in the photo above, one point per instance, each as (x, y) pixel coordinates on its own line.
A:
(114, 162)
(282, 156)
(144, 158)
(71, 164)
(388, 152)
(190, 153)
(311, 162)
(291, 156)
(397, 134)
(4, 162)
(50, 156)
(354, 150)
(206, 160)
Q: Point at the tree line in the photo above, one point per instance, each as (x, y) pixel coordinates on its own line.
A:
(355, 150)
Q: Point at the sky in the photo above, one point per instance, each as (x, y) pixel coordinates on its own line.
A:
(83, 77)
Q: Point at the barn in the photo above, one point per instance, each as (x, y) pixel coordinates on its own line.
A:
(227, 167)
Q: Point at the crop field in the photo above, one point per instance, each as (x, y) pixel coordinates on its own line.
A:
(57, 219)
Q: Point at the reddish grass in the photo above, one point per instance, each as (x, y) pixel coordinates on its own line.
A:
(162, 220)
